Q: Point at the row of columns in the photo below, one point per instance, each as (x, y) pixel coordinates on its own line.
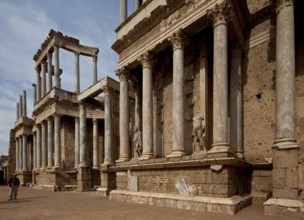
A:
(21, 106)
(22, 153)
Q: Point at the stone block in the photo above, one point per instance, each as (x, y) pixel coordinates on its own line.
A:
(285, 158)
(219, 178)
(292, 178)
(278, 178)
(301, 176)
(285, 193)
(133, 183)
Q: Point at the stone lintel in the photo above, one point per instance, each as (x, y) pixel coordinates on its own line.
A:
(228, 206)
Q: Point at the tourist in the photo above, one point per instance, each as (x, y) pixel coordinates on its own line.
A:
(14, 184)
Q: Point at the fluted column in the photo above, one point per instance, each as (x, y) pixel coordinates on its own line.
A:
(34, 94)
(108, 126)
(94, 68)
(123, 10)
(147, 107)
(43, 78)
(24, 104)
(95, 144)
(219, 17)
(178, 41)
(57, 141)
(124, 150)
(83, 137)
(57, 67)
(50, 71)
(17, 153)
(77, 77)
(50, 137)
(38, 142)
(77, 144)
(236, 100)
(43, 145)
(38, 84)
(25, 153)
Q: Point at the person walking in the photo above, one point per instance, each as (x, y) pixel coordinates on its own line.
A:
(14, 184)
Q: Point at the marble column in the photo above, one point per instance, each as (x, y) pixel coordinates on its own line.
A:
(35, 94)
(94, 68)
(57, 66)
(124, 150)
(17, 153)
(147, 107)
(25, 153)
(24, 104)
(17, 111)
(123, 10)
(236, 100)
(77, 144)
(50, 71)
(43, 145)
(138, 106)
(43, 78)
(38, 84)
(95, 144)
(21, 106)
(34, 151)
(50, 137)
(20, 153)
(108, 126)
(219, 17)
(38, 142)
(178, 41)
(57, 141)
(77, 77)
(285, 76)
(83, 136)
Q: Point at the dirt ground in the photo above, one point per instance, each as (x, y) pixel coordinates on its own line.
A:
(43, 205)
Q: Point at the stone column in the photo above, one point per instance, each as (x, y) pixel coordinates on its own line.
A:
(178, 41)
(50, 137)
(108, 126)
(77, 144)
(38, 142)
(285, 149)
(147, 107)
(21, 106)
(38, 84)
(94, 68)
(43, 78)
(43, 145)
(24, 155)
(219, 16)
(138, 106)
(95, 144)
(138, 3)
(236, 100)
(57, 67)
(50, 71)
(17, 111)
(35, 94)
(17, 153)
(57, 141)
(77, 77)
(123, 10)
(124, 150)
(34, 151)
(24, 104)
(83, 137)
(20, 153)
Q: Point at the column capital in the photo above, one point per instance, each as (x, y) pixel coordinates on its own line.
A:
(95, 121)
(55, 114)
(76, 119)
(107, 90)
(179, 39)
(37, 69)
(77, 53)
(49, 55)
(236, 50)
(147, 60)
(220, 14)
(49, 119)
(280, 4)
(123, 73)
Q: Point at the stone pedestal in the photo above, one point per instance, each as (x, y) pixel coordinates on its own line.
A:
(84, 178)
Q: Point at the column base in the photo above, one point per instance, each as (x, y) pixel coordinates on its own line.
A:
(176, 153)
(121, 160)
(95, 167)
(239, 154)
(221, 149)
(285, 143)
(83, 164)
(285, 207)
(146, 157)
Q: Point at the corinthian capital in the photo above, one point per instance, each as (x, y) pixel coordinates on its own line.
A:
(146, 60)
(179, 39)
(220, 13)
(280, 4)
(123, 74)
(107, 90)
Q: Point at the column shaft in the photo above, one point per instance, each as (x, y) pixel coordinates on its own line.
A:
(57, 68)
(43, 78)
(108, 126)
(50, 71)
(20, 153)
(50, 137)
(83, 137)
(57, 141)
(17, 154)
(24, 104)
(77, 77)
(123, 10)
(25, 153)
(17, 111)
(38, 146)
(38, 84)
(95, 144)
(94, 69)
(21, 106)
(77, 144)
(44, 145)
(34, 94)
(34, 151)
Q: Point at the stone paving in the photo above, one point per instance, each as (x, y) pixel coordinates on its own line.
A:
(35, 204)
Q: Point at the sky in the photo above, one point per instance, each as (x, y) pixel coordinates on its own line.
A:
(25, 24)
